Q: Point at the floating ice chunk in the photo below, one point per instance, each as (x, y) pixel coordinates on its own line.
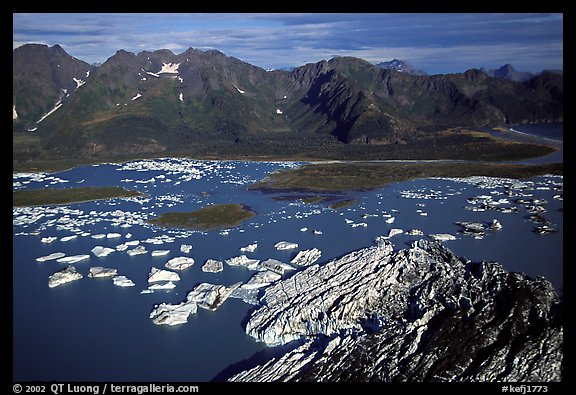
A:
(73, 259)
(317, 232)
(98, 236)
(164, 286)
(306, 257)
(442, 237)
(68, 238)
(122, 281)
(172, 314)
(414, 232)
(210, 296)
(495, 225)
(185, 248)
(348, 221)
(113, 235)
(54, 255)
(99, 272)
(394, 231)
(285, 245)
(390, 220)
(146, 291)
(303, 229)
(160, 252)
(276, 266)
(424, 214)
(364, 224)
(159, 275)
(249, 248)
(243, 260)
(212, 266)
(137, 251)
(180, 263)
(66, 275)
(101, 251)
(48, 239)
(262, 279)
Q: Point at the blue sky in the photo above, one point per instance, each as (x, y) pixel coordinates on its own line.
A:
(436, 43)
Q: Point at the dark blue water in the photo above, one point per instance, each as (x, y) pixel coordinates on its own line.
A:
(93, 330)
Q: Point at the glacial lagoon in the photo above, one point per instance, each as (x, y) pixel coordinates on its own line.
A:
(91, 329)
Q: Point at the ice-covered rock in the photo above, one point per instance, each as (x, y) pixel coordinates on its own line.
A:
(211, 296)
(285, 245)
(98, 272)
(122, 281)
(54, 255)
(243, 260)
(158, 275)
(101, 251)
(160, 252)
(418, 314)
(180, 263)
(442, 236)
(306, 257)
(73, 258)
(170, 314)
(212, 266)
(66, 275)
(249, 248)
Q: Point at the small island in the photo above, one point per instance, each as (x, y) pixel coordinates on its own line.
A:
(219, 216)
(51, 196)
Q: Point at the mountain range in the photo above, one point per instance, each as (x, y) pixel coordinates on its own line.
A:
(157, 102)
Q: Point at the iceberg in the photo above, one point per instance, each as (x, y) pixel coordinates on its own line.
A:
(173, 314)
(210, 296)
(306, 257)
(275, 266)
(185, 248)
(441, 237)
(137, 251)
(243, 260)
(249, 248)
(122, 281)
(262, 279)
(68, 238)
(180, 263)
(54, 255)
(48, 239)
(66, 275)
(285, 245)
(100, 251)
(73, 259)
(160, 252)
(113, 235)
(212, 266)
(164, 286)
(99, 272)
(158, 275)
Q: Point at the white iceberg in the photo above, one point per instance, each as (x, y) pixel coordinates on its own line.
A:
(306, 257)
(99, 272)
(243, 260)
(210, 296)
(185, 248)
(160, 252)
(275, 266)
(122, 281)
(101, 251)
(113, 235)
(54, 255)
(262, 279)
(285, 245)
(173, 314)
(212, 266)
(64, 276)
(390, 220)
(137, 251)
(159, 275)
(98, 236)
(48, 239)
(164, 286)
(249, 248)
(73, 258)
(180, 263)
(68, 238)
(442, 237)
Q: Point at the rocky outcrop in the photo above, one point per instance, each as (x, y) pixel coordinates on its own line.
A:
(420, 314)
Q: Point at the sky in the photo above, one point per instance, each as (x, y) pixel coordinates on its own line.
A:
(436, 43)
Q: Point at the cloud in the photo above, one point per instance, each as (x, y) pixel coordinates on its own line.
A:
(434, 42)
